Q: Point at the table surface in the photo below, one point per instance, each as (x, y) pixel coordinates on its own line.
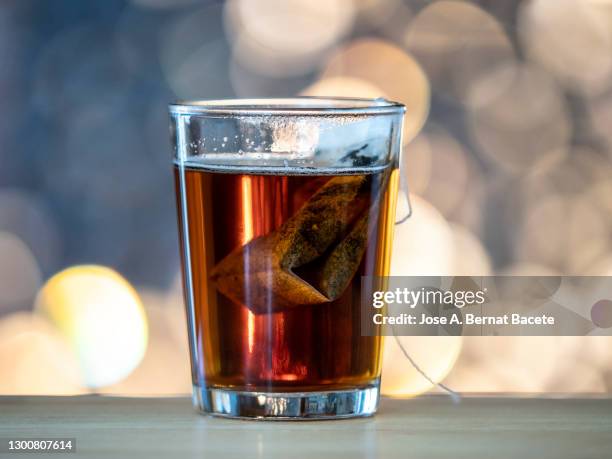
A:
(425, 427)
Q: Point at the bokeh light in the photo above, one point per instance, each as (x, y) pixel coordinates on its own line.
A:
(423, 245)
(599, 110)
(568, 234)
(532, 364)
(599, 195)
(389, 16)
(583, 172)
(192, 51)
(285, 38)
(418, 163)
(164, 369)
(163, 4)
(390, 68)
(526, 125)
(449, 177)
(602, 267)
(570, 38)
(508, 154)
(572, 214)
(528, 269)
(35, 358)
(101, 316)
(28, 217)
(435, 355)
(439, 169)
(19, 273)
(457, 42)
(344, 87)
(93, 66)
(601, 313)
(469, 255)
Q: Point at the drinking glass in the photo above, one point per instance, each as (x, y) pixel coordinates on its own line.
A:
(283, 205)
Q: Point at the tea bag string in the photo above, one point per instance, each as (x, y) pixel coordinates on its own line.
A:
(455, 396)
(404, 192)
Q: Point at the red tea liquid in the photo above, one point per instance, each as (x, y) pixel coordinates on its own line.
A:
(249, 335)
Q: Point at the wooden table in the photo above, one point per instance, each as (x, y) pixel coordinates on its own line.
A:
(426, 427)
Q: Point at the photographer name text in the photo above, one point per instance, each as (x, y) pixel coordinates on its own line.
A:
(459, 299)
(459, 319)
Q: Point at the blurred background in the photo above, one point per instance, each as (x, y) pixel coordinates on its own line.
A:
(508, 150)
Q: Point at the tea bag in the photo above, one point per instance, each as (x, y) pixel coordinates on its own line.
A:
(341, 264)
(329, 232)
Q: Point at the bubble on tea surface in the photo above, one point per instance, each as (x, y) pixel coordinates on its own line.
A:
(294, 136)
(369, 137)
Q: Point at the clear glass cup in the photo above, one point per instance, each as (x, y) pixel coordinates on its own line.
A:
(283, 205)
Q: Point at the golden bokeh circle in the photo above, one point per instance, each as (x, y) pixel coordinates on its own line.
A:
(102, 317)
(435, 355)
(35, 358)
(389, 68)
(570, 38)
(456, 42)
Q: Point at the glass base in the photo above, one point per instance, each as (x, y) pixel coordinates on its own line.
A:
(283, 406)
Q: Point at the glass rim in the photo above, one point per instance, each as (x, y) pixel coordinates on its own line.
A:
(292, 106)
